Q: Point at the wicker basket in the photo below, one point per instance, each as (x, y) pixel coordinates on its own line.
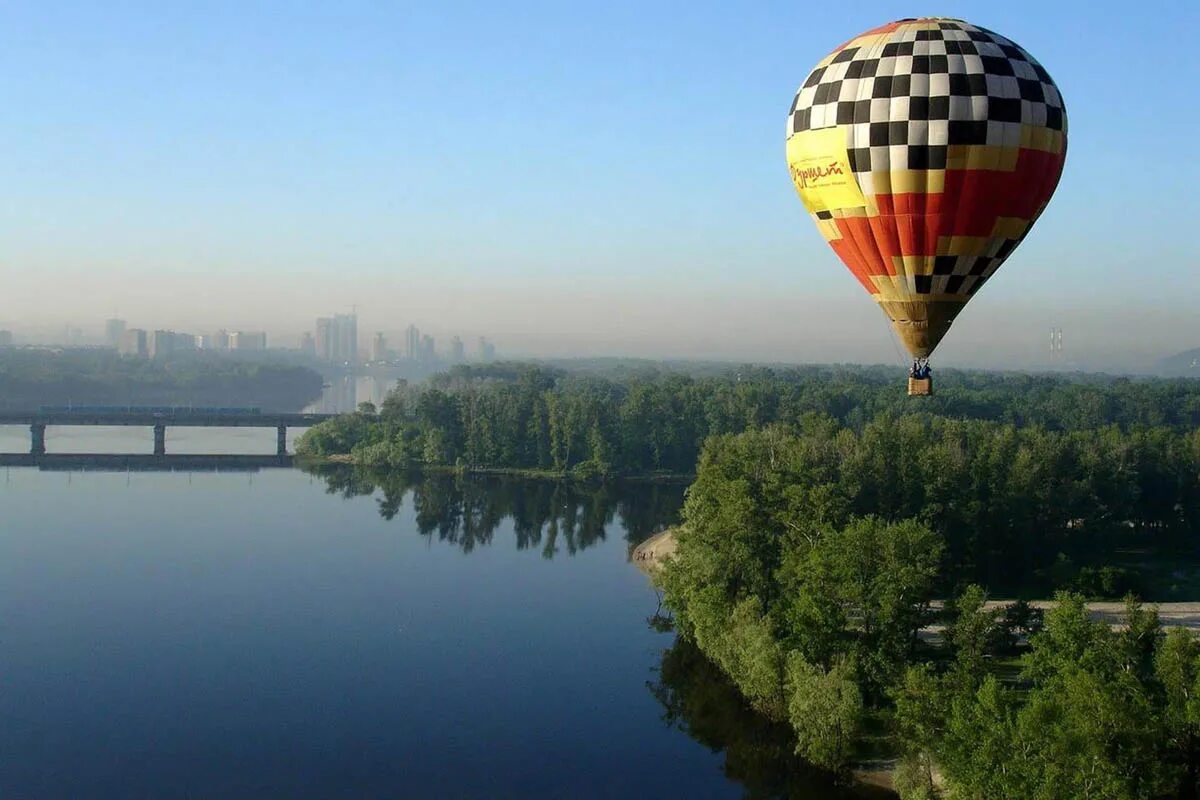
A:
(920, 387)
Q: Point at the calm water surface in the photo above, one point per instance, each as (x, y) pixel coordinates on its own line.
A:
(281, 634)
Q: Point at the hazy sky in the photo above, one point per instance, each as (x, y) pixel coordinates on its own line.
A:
(600, 178)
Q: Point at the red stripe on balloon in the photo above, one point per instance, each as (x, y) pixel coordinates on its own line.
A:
(910, 224)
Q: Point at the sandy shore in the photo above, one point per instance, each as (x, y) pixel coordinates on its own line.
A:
(650, 554)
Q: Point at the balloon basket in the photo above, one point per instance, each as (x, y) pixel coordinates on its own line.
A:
(920, 387)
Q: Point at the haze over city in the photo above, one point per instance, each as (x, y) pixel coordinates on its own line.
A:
(564, 180)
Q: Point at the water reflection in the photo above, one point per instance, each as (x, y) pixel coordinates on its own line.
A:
(759, 754)
(132, 462)
(466, 510)
(342, 393)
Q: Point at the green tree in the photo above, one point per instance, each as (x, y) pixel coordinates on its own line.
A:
(825, 708)
(864, 590)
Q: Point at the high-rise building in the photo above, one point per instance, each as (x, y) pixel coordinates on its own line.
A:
(379, 350)
(336, 339)
(248, 340)
(161, 343)
(165, 343)
(458, 353)
(428, 354)
(6, 338)
(347, 325)
(324, 340)
(133, 343)
(1056, 344)
(487, 350)
(114, 329)
(308, 345)
(213, 341)
(412, 343)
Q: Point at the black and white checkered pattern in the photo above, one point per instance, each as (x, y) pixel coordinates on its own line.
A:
(918, 90)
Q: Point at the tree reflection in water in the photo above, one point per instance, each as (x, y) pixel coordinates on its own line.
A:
(700, 701)
(466, 510)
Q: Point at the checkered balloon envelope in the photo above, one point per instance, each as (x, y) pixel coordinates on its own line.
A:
(925, 149)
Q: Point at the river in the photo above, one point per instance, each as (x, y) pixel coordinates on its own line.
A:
(285, 634)
(342, 394)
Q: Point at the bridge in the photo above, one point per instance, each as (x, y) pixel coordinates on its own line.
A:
(159, 418)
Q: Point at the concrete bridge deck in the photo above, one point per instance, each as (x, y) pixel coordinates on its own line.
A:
(159, 419)
(148, 419)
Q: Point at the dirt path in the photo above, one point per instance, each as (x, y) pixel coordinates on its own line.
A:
(651, 553)
(1172, 615)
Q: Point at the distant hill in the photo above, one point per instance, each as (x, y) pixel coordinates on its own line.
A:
(1185, 364)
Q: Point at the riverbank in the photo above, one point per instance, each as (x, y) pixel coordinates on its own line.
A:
(651, 553)
(348, 459)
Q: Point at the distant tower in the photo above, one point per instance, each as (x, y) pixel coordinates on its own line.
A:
(346, 328)
(379, 351)
(325, 342)
(248, 340)
(412, 343)
(458, 353)
(114, 331)
(487, 350)
(1056, 344)
(133, 343)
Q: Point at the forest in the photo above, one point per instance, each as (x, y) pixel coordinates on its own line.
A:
(810, 559)
(643, 422)
(33, 377)
(830, 515)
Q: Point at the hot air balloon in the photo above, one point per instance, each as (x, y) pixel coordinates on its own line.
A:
(924, 150)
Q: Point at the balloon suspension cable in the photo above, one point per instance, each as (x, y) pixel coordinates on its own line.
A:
(900, 359)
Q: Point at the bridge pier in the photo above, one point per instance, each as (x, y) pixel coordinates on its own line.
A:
(158, 419)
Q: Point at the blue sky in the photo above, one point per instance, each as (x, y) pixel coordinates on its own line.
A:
(601, 178)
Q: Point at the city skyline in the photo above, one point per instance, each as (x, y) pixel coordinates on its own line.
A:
(334, 338)
(473, 348)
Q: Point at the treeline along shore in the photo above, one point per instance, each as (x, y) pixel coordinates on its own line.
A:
(828, 511)
(639, 422)
(1028, 480)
